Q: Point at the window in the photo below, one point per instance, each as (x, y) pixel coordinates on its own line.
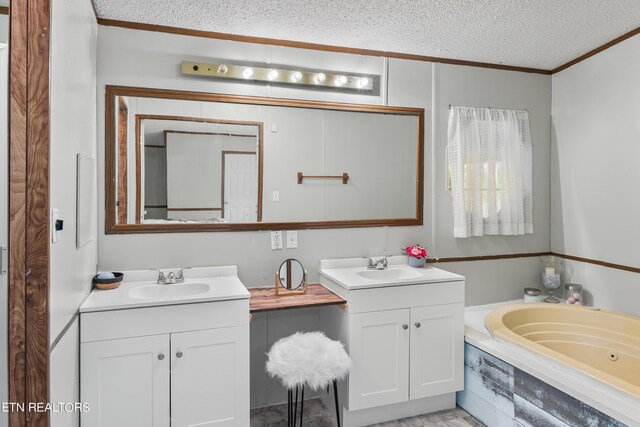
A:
(490, 171)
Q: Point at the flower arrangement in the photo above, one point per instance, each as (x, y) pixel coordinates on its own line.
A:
(416, 251)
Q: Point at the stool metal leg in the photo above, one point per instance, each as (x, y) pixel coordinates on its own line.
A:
(295, 408)
(289, 395)
(335, 395)
(301, 405)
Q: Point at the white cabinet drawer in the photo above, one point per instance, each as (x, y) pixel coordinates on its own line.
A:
(394, 297)
(115, 324)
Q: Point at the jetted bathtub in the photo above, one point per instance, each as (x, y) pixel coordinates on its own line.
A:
(603, 344)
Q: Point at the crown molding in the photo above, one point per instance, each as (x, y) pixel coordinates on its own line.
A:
(310, 46)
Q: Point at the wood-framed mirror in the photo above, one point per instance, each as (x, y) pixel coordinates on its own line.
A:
(181, 161)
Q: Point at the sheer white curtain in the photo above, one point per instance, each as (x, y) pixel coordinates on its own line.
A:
(490, 171)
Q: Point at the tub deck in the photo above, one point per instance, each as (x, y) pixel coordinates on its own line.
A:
(603, 397)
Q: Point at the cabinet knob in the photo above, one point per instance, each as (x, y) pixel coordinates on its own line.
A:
(179, 354)
(418, 324)
(405, 326)
(160, 356)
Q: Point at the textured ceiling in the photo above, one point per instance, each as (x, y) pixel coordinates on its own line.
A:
(527, 33)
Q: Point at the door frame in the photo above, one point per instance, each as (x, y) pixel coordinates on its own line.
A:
(28, 252)
(4, 220)
(259, 161)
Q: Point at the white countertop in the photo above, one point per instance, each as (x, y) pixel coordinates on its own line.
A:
(346, 273)
(223, 284)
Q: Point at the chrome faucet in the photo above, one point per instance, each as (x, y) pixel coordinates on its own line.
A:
(377, 264)
(170, 277)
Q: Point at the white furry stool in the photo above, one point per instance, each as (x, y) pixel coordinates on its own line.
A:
(311, 359)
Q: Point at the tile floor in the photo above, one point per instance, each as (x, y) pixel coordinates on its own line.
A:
(317, 415)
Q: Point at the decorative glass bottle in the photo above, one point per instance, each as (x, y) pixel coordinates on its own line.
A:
(551, 271)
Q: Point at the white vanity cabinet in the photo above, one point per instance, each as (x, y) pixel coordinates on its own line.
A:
(404, 334)
(177, 365)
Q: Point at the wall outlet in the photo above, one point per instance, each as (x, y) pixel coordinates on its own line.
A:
(292, 239)
(276, 240)
(276, 196)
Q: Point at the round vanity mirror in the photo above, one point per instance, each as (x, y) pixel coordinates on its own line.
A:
(291, 274)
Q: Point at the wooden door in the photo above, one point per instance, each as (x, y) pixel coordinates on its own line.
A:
(123, 126)
(126, 382)
(210, 378)
(240, 187)
(437, 350)
(379, 348)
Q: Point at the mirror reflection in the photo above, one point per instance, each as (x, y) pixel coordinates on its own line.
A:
(210, 163)
(291, 274)
(198, 170)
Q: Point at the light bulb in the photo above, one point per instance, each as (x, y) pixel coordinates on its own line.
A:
(273, 74)
(247, 73)
(363, 82)
(320, 77)
(296, 76)
(222, 69)
(342, 80)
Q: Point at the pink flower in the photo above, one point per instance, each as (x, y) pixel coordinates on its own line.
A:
(416, 251)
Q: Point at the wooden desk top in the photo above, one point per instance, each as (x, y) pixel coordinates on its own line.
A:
(265, 299)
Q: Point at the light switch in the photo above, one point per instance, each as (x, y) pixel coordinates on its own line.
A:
(276, 240)
(274, 127)
(55, 217)
(276, 196)
(292, 239)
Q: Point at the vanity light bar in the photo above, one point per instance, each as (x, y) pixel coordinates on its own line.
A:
(276, 75)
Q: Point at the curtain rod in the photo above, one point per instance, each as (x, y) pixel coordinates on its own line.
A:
(490, 108)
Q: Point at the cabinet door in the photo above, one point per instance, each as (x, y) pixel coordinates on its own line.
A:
(437, 350)
(379, 348)
(210, 377)
(126, 382)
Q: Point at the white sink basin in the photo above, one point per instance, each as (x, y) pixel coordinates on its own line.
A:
(164, 292)
(390, 275)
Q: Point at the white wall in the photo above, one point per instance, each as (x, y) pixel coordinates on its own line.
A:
(481, 87)
(64, 380)
(73, 130)
(139, 58)
(595, 157)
